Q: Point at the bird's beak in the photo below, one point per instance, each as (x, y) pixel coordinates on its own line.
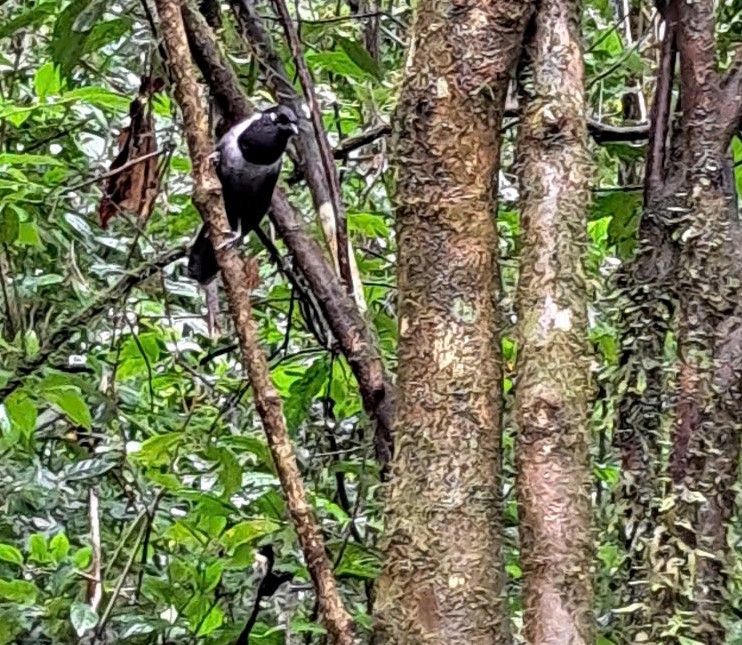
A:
(295, 128)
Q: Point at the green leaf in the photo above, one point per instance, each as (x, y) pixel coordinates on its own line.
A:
(47, 81)
(158, 450)
(38, 550)
(83, 557)
(28, 234)
(89, 468)
(514, 571)
(9, 553)
(625, 212)
(247, 531)
(83, 617)
(337, 62)
(368, 224)
(100, 97)
(21, 411)
(105, 33)
(358, 563)
(212, 622)
(360, 56)
(59, 547)
(72, 30)
(230, 474)
(9, 225)
(18, 591)
(70, 401)
(26, 159)
(212, 575)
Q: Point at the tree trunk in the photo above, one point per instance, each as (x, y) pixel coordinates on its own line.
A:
(442, 579)
(695, 227)
(704, 456)
(552, 368)
(648, 306)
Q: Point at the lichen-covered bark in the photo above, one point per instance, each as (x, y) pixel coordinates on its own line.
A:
(552, 370)
(648, 306)
(705, 444)
(697, 223)
(442, 579)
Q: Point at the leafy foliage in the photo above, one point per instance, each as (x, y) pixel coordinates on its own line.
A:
(140, 409)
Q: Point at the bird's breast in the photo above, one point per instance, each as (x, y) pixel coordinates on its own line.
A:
(242, 177)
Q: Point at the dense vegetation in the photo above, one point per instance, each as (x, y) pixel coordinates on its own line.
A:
(129, 439)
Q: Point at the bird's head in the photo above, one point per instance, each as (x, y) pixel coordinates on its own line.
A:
(264, 139)
(283, 118)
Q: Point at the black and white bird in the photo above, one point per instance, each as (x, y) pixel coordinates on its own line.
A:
(249, 158)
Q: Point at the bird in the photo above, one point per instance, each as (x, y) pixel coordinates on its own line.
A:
(248, 161)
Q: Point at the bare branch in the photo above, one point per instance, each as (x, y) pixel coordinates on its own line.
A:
(660, 116)
(95, 583)
(207, 197)
(324, 146)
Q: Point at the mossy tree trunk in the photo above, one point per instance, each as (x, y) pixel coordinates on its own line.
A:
(704, 459)
(553, 366)
(691, 226)
(648, 306)
(442, 579)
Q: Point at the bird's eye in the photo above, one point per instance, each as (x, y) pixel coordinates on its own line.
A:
(283, 119)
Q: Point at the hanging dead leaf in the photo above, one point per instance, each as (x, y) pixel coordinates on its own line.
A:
(134, 189)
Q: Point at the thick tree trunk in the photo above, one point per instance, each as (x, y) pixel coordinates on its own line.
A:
(694, 225)
(648, 305)
(704, 457)
(553, 369)
(442, 579)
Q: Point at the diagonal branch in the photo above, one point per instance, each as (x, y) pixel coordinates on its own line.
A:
(352, 331)
(207, 197)
(326, 157)
(660, 116)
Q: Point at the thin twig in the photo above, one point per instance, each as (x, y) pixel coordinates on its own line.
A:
(115, 171)
(324, 147)
(95, 585)
(119, 584)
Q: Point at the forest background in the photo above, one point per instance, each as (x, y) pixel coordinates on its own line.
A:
(487, 391)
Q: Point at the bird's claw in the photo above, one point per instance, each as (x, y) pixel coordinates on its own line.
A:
(214, 157)
(230, 240)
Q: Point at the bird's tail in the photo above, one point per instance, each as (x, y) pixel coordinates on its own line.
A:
(202, 264)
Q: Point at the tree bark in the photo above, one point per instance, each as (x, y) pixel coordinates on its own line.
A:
(648, 305)
(552, 367)
(694, 242)
(442, 578)
(207, 198)
(705, 448)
